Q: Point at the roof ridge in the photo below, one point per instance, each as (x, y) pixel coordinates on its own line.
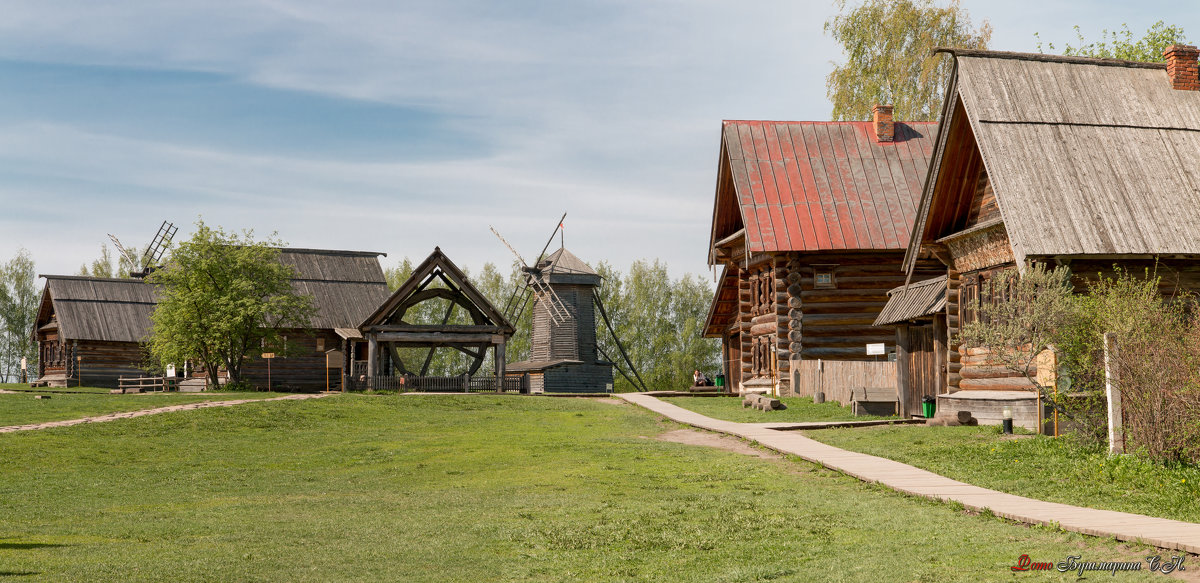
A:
(830, 122)
(91, 278)
(1047, 58)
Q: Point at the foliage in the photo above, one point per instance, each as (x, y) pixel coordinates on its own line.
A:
(1063, 469)
(222, 297)
(476, 488)
(889, 47)
(19, 298)
(1159, 353)
(799, 409)
(1158, 339)
(1024, 315)
(1120, 44)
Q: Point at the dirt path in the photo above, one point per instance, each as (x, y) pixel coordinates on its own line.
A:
(169, 409)
(693, 437)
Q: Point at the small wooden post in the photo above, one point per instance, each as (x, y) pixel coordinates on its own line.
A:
(499, 353)
(372, 348)
(1116, 433)
(903, 378)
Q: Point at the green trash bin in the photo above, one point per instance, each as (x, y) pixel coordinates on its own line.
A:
(720, 380)
(928, 407)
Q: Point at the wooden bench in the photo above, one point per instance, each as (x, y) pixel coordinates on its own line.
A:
(881, 401)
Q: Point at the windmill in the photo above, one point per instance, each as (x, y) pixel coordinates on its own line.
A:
(563, 348)
(141, 265)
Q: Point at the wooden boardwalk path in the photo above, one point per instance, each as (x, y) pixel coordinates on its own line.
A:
(155, 411)
(1160, 532)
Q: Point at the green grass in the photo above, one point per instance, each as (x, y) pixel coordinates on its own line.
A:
(473, 488)
(798, 409)
(1045, 468)
(22, 408)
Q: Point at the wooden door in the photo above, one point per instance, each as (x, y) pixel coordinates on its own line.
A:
(921, 368)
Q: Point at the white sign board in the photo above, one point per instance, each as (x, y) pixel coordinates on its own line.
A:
(876, 349)
(24, 364)
(170, 371)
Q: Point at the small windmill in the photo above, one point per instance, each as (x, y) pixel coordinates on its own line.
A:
(563, 347)
(142, 265)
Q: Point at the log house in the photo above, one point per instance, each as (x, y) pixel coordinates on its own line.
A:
(809, 225)
(93, 328)
(1088, 163)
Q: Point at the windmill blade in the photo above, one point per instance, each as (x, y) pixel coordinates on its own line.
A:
(133, 262)
(557, 226)
(158, 246)
(510, 247)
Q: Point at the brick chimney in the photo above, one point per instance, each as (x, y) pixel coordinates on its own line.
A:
(884, 126)
(1181, 67)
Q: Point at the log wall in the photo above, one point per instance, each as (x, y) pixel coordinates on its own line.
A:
(101, 364)
(303, 372)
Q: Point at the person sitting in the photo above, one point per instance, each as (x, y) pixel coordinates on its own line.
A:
(700, 379)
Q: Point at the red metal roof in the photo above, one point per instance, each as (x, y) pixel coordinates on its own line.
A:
(814, 186)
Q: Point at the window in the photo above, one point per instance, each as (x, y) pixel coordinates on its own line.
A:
(823, 277)
(320, 345)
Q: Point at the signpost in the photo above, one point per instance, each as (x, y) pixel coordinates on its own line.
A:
(24, 374)
(267, 356)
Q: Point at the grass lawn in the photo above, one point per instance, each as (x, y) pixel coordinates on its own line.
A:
(22, 408)
(798, 409)
(1053, 469)
(471, 488)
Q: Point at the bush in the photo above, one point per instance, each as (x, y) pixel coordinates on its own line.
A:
(1159, 343)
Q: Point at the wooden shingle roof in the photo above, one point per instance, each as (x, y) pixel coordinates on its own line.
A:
(917, 300)
(1086, 156)
(814, 186)
(346, 286)
(92, 308)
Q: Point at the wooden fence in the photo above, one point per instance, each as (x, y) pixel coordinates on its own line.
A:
(435, 384)
(144, 384)
(836, 378)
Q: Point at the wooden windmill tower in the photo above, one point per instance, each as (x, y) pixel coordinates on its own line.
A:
(564, 356)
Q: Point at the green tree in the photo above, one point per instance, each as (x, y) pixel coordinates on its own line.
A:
(19, 300)
(888, 45)
(102, 266)
(1120, 44)
(222, 297)
(660, 322)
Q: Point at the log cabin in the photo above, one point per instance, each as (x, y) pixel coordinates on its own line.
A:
(91, 330)
(1073, 161)
(810, 223)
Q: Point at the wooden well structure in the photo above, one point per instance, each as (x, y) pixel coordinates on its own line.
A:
(390, 328)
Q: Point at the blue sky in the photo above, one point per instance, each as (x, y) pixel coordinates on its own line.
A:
(397, 126)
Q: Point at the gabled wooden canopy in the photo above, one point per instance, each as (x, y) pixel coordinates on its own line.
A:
(487, 319)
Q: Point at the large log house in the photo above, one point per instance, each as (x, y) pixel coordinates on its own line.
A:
(1087, 163)
(92, 328)
(810, 222)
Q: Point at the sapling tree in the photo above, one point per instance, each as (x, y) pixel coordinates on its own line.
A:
(1020, 315)
(222, 297)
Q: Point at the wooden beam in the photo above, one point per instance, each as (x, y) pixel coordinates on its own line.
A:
(439, 338)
